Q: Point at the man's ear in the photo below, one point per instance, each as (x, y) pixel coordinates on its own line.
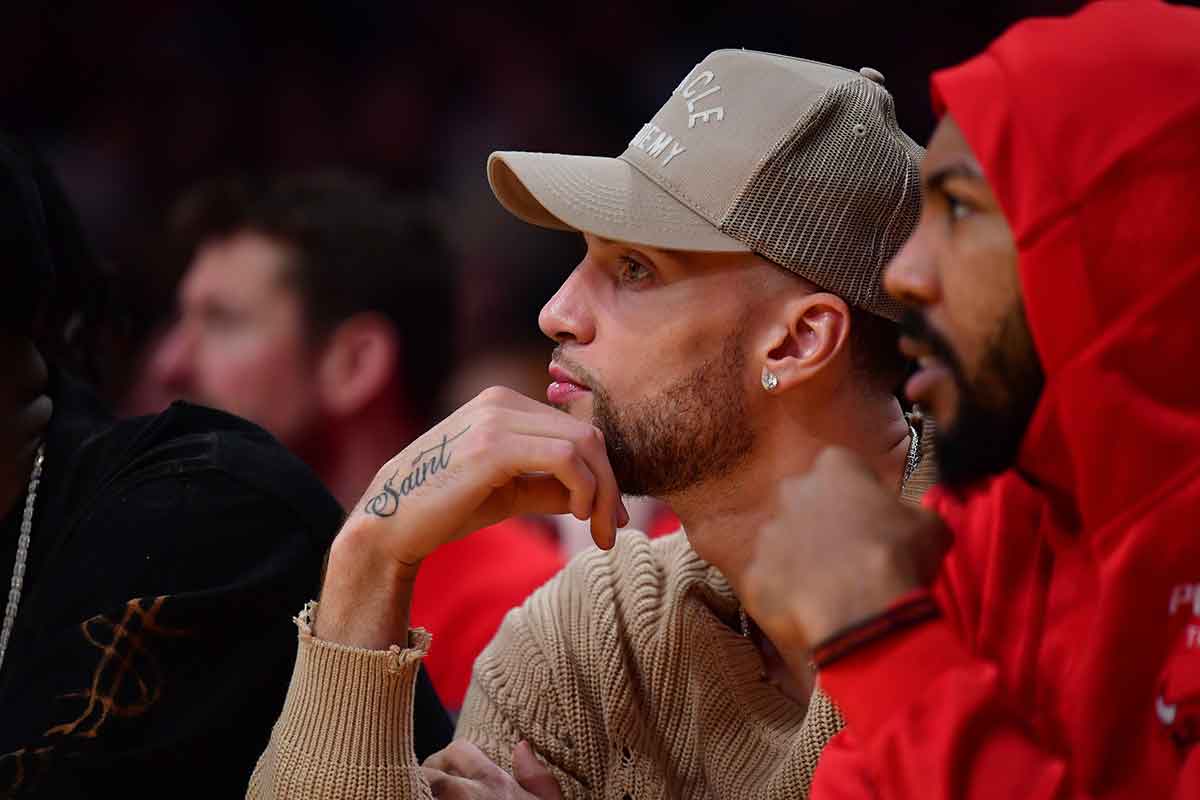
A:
(811, 334)
(358, 361)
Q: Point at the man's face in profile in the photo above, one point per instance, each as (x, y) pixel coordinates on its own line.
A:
(651, 348)
(240, 343)
(979, 373)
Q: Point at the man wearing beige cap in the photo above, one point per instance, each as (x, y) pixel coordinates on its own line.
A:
(726, 323)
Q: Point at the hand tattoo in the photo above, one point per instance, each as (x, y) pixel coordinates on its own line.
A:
(427, 463)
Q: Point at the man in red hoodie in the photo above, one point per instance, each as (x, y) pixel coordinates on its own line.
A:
(1053, 277)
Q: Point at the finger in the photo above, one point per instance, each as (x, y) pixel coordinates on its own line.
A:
(559, 458)
(461, 758)
(608, 511)
(532, 774)
(446, 786)
(539, 494)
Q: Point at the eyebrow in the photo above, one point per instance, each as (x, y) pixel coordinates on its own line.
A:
(959, 169)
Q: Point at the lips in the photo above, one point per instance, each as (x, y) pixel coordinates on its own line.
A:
(930, 370)
(564, 386)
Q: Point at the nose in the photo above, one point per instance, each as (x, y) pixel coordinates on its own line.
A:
(171, 362)
(911, 276)
(567, 317)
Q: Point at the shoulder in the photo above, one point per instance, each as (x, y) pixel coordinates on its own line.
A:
(200, 447)
(192, 482)
(995, 526)
(982, 509)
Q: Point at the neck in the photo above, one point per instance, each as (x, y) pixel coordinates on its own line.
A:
(722, 517)
(349, 453)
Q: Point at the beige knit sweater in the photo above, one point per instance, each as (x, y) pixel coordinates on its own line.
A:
(626, 672)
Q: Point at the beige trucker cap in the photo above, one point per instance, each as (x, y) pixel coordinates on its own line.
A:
(798, 161)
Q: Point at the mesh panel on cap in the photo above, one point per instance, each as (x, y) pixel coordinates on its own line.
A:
(835, 198)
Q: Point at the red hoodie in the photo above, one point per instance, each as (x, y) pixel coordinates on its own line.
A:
(1067, 663)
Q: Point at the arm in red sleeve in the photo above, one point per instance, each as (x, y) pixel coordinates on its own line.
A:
(925, 719)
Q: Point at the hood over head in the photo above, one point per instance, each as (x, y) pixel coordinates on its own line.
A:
(1088, 129)
(28, 266)
(52, 286)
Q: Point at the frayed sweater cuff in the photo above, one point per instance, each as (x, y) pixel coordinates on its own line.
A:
(350, 705)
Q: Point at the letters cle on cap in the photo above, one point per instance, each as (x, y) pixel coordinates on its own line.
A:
(654, 141)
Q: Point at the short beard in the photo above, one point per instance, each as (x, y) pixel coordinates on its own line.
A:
(694, 431)
(993, 411)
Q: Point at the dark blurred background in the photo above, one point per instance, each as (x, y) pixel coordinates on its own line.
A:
(135, 100)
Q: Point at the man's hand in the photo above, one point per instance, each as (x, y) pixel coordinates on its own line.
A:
(840, 548)
(463, 771)
(500, 455)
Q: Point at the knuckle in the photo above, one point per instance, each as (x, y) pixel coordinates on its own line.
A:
(488, 437)
(489, 418)
(589, 481)
(562, 451)
(493, 395)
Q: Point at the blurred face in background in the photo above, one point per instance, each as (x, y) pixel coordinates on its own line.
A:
(979, 372)
(240, 343)
(652, 348)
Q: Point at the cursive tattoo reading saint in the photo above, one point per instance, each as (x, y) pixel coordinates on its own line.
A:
(428, 462)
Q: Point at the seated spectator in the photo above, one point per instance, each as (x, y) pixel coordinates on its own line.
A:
(726, 323)
(322, 309)
(1052, 282)
(152, 561)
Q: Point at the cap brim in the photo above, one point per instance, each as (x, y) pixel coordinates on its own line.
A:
(607, 197)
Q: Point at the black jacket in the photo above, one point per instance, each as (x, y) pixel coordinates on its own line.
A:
(155, 642)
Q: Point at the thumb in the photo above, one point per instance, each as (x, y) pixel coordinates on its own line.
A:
(532, 775)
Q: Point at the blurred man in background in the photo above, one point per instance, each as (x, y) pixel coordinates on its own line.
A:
(323, 309)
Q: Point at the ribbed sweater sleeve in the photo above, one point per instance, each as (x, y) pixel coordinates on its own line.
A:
(346, 729)
(346, 726)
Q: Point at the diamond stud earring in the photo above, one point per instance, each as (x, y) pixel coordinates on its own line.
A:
(769, 380)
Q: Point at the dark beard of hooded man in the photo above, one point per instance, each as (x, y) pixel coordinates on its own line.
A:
(994, 406)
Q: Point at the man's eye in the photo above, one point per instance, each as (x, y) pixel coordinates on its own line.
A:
(957, 208)
(632, 271)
